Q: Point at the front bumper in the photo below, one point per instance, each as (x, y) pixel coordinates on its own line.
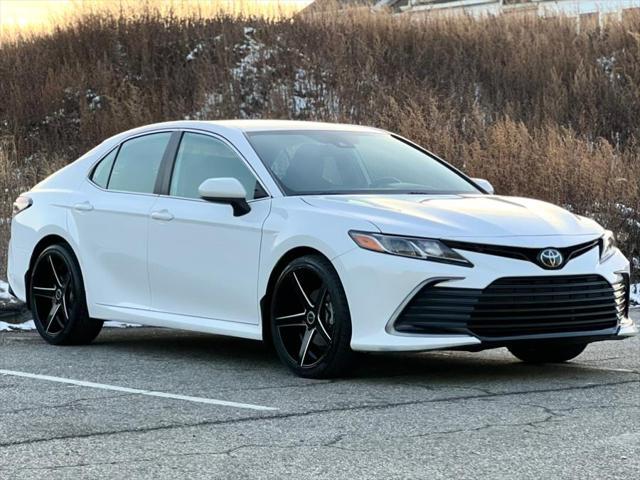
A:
(378, 287)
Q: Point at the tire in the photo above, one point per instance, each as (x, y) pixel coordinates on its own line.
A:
(547, 352)
(57, 299)
(309, 319)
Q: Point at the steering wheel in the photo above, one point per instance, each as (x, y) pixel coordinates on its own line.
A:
(384, 181)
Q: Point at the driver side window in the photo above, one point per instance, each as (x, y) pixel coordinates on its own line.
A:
(201, 157)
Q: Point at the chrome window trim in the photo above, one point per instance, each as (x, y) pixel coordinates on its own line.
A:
(117, 146)
(233, 148)
(173, 130)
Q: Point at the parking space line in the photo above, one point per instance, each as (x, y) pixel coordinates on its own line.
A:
(586, 366)
(136, 391)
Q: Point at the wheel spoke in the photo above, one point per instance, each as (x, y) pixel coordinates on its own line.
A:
(46, 292)
(55, 274)
(322, 308)
(305, 291)
(65, 312)
(52, 315)
(323, 330)
(291, 320)
(304, 346)
(301, 293)
(321, 297)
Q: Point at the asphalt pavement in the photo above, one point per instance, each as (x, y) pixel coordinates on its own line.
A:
(150, 403)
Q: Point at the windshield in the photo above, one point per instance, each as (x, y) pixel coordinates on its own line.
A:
(337, 162)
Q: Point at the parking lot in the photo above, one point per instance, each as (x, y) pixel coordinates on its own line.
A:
(152, 403)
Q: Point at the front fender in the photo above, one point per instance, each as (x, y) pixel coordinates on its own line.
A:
(293, 223)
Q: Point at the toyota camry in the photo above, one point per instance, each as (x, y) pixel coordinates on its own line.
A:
(323, 239)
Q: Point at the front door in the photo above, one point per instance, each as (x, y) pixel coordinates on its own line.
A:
(203, 261)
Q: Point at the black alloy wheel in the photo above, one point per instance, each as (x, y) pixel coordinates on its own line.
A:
(57, 299)
(310, 322)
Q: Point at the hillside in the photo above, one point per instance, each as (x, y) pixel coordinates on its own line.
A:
(533, 105)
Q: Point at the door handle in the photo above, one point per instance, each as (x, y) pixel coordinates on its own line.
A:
(83, 207)
(163, 215)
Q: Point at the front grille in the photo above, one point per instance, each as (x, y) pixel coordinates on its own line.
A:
(524, 253)
(518, 307)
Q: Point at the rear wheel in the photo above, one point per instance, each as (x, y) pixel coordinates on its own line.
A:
(57, 299)
(310, 321)
(547, 352)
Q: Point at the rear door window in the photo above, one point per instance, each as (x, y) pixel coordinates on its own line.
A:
(138, 162)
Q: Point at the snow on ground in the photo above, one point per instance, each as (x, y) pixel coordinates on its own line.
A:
(11, 327)
(635, 294)
(7, 298)
(260, 86)
(26, 326)
(208, 109)
(301, 90)
(112, 324)
(191, 56)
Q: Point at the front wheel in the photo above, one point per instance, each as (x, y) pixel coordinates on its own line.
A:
(57, 299)
(310, 321)
(547, 352)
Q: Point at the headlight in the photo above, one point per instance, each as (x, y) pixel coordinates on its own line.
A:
(414, 247)
(607, 246)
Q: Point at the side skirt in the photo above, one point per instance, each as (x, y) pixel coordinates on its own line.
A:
(154, 318)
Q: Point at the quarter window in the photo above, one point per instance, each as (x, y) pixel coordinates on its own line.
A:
(101, 172)
(138, 162)
(201, 157)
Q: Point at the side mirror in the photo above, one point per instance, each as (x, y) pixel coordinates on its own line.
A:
(225, 190)
(485, 185)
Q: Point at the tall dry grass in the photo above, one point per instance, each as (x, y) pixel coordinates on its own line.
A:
(536, 106)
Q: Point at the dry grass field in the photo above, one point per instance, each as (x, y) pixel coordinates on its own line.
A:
(536, 106)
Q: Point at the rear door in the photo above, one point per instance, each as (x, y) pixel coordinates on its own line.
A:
(203, 261)
(112, 222)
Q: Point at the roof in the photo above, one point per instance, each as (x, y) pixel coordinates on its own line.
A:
(266, 125)
(243, 126)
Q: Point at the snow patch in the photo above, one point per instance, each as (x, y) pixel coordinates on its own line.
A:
(631, 217)
(608, 64)
(94, 100)
(209, 108)
(29, 325)
(5, 296)
(252, 72)
(635, 294)
(263, 85)
(112, 324)
(11, 327)
(195, 52)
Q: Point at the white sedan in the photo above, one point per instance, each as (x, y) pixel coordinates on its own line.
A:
(323, 239)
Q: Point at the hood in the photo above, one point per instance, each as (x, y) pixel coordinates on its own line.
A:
(459, 216)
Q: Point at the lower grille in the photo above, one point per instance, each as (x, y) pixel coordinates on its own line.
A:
(516, 307)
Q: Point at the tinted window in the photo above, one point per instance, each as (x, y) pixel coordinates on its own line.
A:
(201, 157)
(308, 162)
(101, 173)
(138, 162)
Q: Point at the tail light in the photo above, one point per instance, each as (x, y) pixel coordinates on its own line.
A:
(22, 203)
